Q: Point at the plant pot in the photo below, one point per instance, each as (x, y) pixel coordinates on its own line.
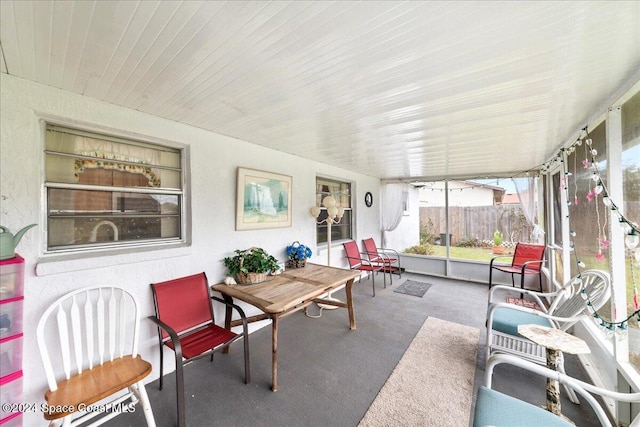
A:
(250, 278)
(498, 250)
(296, 263)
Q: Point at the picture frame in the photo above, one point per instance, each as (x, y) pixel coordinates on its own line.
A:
(263, 200)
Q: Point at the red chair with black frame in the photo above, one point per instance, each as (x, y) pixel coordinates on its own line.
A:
(186, 324)
(527, 259)
(389, 258)
(357, 262)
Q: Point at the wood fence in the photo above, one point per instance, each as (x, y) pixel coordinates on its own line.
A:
(476, 222)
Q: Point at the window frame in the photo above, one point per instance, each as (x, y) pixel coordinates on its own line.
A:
(349, 211)
(124, 246)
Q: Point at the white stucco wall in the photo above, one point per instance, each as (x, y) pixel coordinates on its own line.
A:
(214, 160)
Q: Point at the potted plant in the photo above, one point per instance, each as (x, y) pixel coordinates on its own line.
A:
(251, 265)
(498, 238)
(297, 254)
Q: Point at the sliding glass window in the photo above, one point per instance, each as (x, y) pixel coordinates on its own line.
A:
(341, 191)
(105, 191)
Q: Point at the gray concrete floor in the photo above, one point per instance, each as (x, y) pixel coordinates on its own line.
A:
(329, 375)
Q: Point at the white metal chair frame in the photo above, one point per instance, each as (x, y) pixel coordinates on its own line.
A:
(582, 388)
(567, 308)
(93, 337)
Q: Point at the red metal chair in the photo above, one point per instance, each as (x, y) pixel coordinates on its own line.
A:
(527, 259)
(389, 258)
(357, 262)
(186, 324)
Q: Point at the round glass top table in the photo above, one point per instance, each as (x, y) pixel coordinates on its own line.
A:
(555, 341)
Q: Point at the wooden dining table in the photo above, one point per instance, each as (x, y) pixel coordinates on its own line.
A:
(289, 292)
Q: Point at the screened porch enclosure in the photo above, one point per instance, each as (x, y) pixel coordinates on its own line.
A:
(124, 124)
(583, 205)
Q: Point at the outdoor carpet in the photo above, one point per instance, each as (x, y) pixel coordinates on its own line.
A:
(432, 385)
(411, 287)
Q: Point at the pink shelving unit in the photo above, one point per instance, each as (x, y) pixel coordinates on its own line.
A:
(11, 309)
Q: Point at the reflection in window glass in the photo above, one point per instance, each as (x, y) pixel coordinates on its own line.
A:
(108, 191)
(588, 216)
(631, 209)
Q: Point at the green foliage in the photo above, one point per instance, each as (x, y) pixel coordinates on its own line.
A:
(427, 233)
(423, 249)
(253, 260)
(498, 238)
(471, 242)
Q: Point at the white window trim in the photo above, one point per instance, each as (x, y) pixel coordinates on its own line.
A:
(338, 242)
(75, 260)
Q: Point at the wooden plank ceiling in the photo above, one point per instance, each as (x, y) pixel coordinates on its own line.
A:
(389, 89)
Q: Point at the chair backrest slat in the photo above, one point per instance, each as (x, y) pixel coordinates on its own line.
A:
(101, 326)
(111, 330)
(528, 252)
(63, 334)
(597, 286)
(121, 324)
(88, 319)
(353, 254)
(77, 333)
(91, 328)
(191, 295)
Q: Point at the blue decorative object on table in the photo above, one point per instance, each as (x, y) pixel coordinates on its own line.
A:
(297, 254)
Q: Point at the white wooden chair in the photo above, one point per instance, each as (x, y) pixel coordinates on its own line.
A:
(497, 409)
(88, 341)
(568, 307)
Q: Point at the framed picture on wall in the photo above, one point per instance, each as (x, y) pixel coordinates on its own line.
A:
(263, 200)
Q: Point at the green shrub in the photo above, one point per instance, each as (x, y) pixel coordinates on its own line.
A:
(424, 249)
(471, 242)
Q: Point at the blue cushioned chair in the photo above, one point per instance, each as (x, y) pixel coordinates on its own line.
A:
(496, 409)
(500, 410)
(568, 307)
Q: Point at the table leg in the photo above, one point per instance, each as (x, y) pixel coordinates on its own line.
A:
(352, 315)
(274, 355)
(553, 386)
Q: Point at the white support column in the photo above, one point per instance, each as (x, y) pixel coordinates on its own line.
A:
(567, 238)
(447, 263)
(616, 236)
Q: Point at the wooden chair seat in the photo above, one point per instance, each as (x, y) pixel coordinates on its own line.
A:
(95, 384)
(88, 342)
